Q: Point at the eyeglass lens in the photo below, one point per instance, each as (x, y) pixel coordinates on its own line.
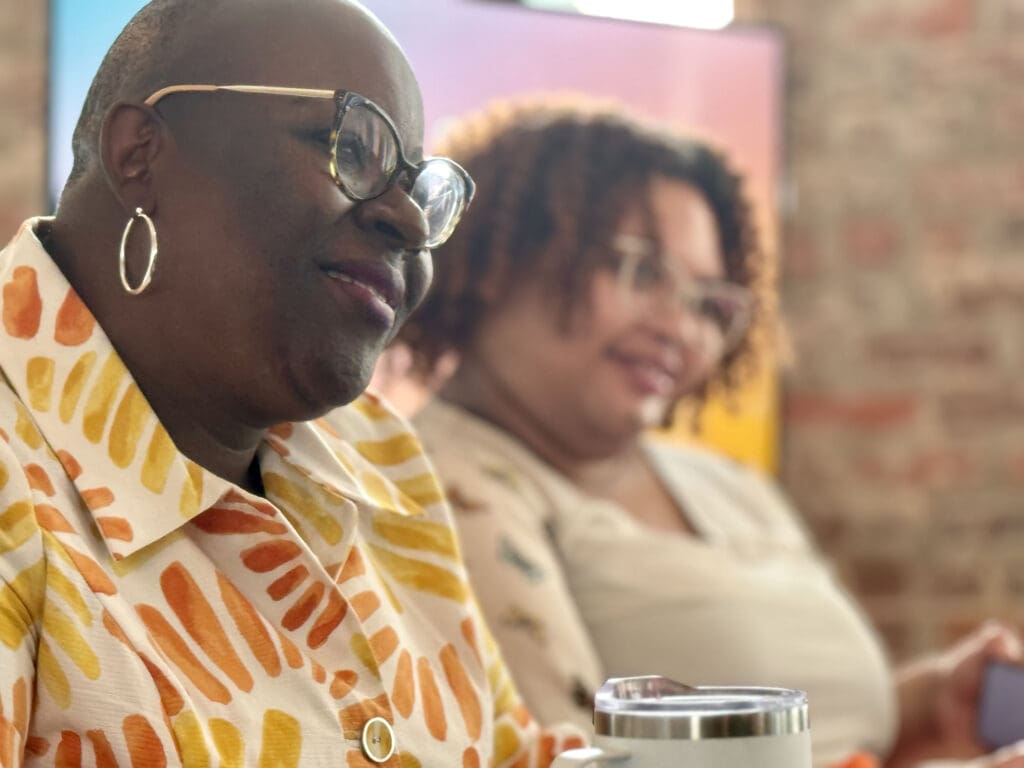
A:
(721, 305)
(440, 192)
(365, 152)
(366, 158)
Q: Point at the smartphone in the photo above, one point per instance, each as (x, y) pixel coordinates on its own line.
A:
(1001, 705)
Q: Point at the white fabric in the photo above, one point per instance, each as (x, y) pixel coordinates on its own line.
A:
(576, 590)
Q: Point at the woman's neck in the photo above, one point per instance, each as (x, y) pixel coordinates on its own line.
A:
(617, 470)
(476, 389)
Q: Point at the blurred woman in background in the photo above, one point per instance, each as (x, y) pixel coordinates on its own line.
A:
(607, 270)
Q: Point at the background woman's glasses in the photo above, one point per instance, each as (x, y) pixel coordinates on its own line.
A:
(646, 277)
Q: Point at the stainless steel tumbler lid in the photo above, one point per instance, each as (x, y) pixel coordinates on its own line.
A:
(655, 707)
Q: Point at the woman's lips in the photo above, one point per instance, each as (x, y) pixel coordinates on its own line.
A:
(364, 294)
(649, 379)
(373, 284)
(647, 376)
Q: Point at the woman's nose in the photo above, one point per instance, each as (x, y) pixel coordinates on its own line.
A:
(396, 218)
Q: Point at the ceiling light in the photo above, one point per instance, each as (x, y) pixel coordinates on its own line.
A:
(701, 14)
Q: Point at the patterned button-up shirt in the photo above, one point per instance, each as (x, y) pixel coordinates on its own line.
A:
(152, 613)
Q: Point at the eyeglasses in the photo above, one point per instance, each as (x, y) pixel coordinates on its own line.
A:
(367, 157)
(644, 276)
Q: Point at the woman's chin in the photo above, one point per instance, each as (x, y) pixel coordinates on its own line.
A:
(630, 423)
(651, 412)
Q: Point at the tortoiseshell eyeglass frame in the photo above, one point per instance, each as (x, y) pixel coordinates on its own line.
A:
(344, 102)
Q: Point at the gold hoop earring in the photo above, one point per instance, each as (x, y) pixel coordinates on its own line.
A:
(150, 265)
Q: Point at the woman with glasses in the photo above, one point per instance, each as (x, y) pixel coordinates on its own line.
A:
(606, 271)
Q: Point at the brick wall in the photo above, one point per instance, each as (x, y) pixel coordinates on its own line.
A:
(903, 282)
(22, 112)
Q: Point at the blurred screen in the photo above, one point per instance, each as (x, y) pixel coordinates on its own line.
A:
(725, 86)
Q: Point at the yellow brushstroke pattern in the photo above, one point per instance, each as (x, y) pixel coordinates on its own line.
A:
(506, 743)
(25, 589)
(372, 410)
(388, 453)
(230, 745)
(54, 680)
(390, 594)
(25, 428)
(505, 699)
(191, 741)
(344, 460)
(39, 378)
(422, 489)
(59, 626)
(101, 398)
(17, 524)
(361, 648)
(376, 488)
(143, 556)
(159, 455)
(302, 503)
(282, 740)
(413, 533)
(421, 576)
(74, 385)
(132, 414)
(61, 585)
(191, 491)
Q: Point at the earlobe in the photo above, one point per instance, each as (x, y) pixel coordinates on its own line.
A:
(130, 141)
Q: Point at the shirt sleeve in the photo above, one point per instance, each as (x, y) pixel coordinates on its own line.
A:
(517, 574)
(22, 588)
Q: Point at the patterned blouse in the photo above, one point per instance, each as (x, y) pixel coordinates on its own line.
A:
(154, 614)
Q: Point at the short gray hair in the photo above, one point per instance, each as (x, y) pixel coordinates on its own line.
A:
(136, 65)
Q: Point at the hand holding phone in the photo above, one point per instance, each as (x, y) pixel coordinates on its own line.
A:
(1001, 705)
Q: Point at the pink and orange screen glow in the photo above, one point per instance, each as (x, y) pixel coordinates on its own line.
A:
(725, 86)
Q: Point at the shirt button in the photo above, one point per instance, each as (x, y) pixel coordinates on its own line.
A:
(378, 740)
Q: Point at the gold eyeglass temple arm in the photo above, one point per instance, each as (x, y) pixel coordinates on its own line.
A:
(305, 93)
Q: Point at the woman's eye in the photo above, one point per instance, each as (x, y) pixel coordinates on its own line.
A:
(714, 310)
(321, 137)
(648, 274)
(351, 154)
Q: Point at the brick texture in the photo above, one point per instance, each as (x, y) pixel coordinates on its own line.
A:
(903, 285)
(23, 66)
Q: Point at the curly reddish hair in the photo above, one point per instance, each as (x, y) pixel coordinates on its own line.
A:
(553, 177)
